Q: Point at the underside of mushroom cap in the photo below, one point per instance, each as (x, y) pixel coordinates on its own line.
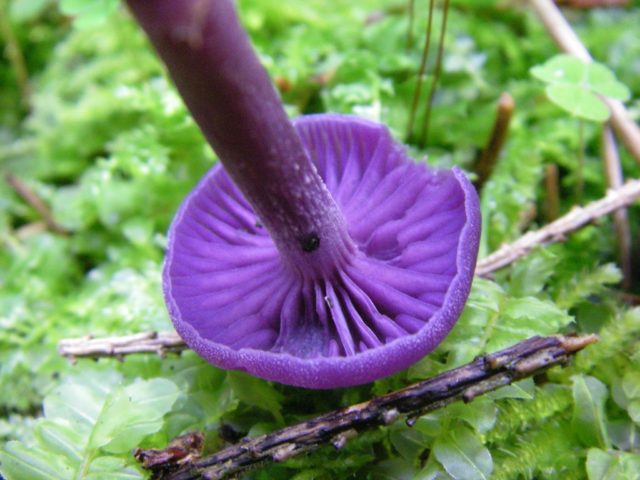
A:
(416, 229)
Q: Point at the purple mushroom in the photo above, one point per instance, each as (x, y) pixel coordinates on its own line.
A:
(318, 254)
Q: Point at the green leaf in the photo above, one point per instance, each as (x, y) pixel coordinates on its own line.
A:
(256, 392)
(113, 468)
(529, 275)
(466, 339)
(521, 318)
(634, 411)
(562, 68)
(574, 85)
(463, 455)
(432, 471)
(602, 80)
(79, 400)
(631, 384)
(480, 414)
(624, 434)
(19, 462)
(132, 413)
(598, 463)
(408, 442)
(85, 416)
(524, 390)
(579, 102)
(61, 438)
(589, 418)
(603, 465)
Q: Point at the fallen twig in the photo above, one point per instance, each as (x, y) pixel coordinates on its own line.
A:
(564, 36)
(36, 202)
(527, 358)
(160, 343)
(556, 231)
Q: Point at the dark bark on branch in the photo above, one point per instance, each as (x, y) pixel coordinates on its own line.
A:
(486, 373)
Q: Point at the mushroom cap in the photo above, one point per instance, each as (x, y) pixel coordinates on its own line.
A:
(416, 229)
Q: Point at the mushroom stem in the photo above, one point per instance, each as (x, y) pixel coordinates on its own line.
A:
(229, 93)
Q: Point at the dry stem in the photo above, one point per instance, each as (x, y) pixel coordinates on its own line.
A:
(36, 202)
(615, 179)
(527, 358)
(487, 161)
(552, 189)
(556, 231)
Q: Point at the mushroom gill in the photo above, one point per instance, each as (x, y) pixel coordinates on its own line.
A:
(416, 233)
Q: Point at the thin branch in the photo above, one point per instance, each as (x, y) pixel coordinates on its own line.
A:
(30, 229)
(36, 202)
(527, 358)
(564, 36)
(615, 179)
(552, 189)
(160, 343)
(489, 157)
(556, 231)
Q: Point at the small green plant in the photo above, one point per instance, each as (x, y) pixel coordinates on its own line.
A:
(91, 422)
(578, 87)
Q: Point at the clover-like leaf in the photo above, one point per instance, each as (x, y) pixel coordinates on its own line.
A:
(560, 69)
(579, 102)
(577, 86)
(603, 81)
